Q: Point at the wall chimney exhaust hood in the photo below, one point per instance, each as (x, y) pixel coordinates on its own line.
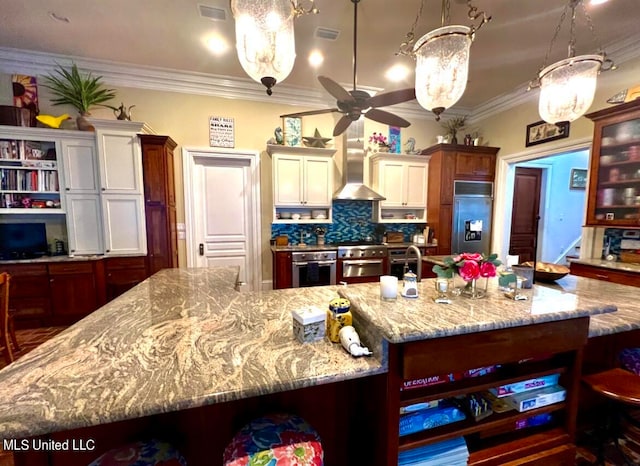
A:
(353, 187)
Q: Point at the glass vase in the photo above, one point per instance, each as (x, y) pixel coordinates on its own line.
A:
(475, 288)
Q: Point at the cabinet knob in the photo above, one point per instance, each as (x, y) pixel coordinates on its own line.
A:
(108, 250)
(103, 189)
(51, 280)
(66, 189)
(73, 250)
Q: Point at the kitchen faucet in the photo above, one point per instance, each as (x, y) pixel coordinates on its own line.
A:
(415, 248)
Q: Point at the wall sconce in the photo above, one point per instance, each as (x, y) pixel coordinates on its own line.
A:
(442, 59)
(265, 39)
(568, 86)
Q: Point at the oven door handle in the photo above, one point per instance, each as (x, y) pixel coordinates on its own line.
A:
(301, 264)
(363, 262)
(402, 261)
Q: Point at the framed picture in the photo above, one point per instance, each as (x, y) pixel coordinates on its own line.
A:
(292, 128)
(221, 133)
(394, 139)
(541, 131)
(578, 178)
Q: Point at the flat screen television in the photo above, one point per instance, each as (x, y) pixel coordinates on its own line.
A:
(22, 240)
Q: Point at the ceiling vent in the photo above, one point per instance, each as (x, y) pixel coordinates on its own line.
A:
(212, 12)
(326, 33)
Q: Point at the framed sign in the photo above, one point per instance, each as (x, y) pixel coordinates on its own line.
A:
(578, 178)
(292, 128)
(221, 132)
(541, 131)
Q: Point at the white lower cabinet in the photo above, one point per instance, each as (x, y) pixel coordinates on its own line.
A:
(124, 224)
(84, 224)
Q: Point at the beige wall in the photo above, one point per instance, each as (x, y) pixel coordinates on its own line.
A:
(185, 118)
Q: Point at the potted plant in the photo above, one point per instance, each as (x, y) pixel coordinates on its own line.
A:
(82, 92)
(453, 125)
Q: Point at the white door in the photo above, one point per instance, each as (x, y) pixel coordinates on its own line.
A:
(84, 224)
(223, 204)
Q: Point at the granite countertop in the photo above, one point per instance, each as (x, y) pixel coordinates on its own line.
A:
(49, 259)
(185, 336)
(410, 319)
(334, 247)
(624, 266)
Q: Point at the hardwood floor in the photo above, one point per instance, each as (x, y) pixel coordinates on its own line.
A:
(28, 339)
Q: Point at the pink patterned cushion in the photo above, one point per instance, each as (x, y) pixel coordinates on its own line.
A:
(275, 440)
(630, 359)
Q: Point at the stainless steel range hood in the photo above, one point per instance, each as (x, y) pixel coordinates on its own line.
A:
(353, 187)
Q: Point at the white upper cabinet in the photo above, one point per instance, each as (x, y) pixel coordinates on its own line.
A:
(120, 161)
(79, 163)
(302, 182)
(402, 179)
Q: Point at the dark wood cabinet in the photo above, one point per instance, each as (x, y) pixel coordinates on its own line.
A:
(160, 201)
(614, 173)
(74, 291)
(29, 294)
(448, 163)
(606, 274)
(282, 277)
(123, 273)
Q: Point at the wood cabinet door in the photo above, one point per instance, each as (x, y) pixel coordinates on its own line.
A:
(318, 181)
(282, 277)
(84, 224)
(74, 293)
(155, 176)
(120, 162)
(391, 183)
(123, 273)
(416, 185)
(124, 224)
(287, 180)
(79, 166)
(158, 248)
(475, 165)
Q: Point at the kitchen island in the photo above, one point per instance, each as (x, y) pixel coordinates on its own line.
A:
(184, 341)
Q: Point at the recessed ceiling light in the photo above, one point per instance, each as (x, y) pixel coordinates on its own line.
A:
(598, 2)
(316, 58)
(217, 45)
(56, 17)
(397, 73)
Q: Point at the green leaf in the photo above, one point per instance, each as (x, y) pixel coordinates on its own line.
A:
(504, 280)
(445, 272)
(69, 87)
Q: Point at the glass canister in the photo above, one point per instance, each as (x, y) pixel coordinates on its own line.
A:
(410, 285)
(338, 316)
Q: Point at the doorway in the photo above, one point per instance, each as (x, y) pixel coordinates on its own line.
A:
(562, 210)
(222, 202)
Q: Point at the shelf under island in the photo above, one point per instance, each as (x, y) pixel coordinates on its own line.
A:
(185, 355)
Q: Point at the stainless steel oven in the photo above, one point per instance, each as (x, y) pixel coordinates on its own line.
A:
(313, 268)
(361, 263)
(396, 262)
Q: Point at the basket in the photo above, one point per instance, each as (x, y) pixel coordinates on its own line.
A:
(630, 257)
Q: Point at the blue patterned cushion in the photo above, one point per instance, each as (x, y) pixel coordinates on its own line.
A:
(150, 453)
(630, 360)
(277, 439)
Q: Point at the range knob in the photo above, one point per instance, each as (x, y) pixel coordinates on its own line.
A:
(350, 254)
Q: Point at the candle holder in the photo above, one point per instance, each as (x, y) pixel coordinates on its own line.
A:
(443, 287)
(515, 289)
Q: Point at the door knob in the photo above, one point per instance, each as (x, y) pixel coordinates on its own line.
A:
(201, 249)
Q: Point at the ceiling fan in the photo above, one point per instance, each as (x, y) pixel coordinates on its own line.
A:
(355, 103)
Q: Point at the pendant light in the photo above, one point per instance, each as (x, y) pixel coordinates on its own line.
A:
(442, 59)
(265, 39)
(568, 86)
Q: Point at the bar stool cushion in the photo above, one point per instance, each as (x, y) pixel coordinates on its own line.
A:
(149, 453)
(630, 359)
(277, 439)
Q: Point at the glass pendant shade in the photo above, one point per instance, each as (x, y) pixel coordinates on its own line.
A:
(442, 67)
(567, 88)
(265, 38)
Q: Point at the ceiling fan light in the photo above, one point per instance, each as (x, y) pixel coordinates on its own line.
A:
(442, 66)
(567, 88)
(265, 39)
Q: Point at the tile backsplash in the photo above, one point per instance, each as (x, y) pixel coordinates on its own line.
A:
(351, 222)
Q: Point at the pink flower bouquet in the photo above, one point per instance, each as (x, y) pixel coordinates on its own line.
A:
(469, 266)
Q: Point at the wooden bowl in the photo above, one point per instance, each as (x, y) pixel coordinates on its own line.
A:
(540, 275)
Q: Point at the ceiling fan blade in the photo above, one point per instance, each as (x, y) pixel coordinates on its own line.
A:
(310, 112)
(335, 89)
(387, 118)
(342, 125)
(392, 97)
